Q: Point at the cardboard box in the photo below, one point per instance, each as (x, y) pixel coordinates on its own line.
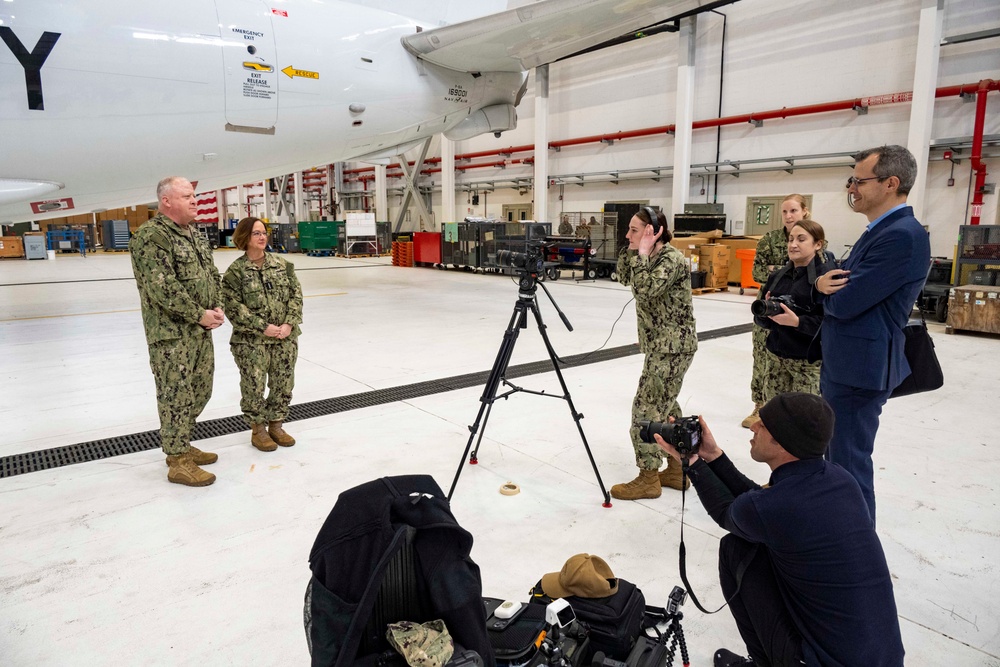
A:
(974, 308)
(735, 243)
(688, 244)
(713, 259)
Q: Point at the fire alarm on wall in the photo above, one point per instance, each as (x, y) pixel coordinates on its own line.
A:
(947, 155)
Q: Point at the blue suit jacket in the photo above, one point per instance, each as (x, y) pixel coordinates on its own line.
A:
(862, 333)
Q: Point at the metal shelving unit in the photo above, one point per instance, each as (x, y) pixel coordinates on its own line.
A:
(979, 246)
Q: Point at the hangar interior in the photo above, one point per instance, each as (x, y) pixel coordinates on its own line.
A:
(106, 563)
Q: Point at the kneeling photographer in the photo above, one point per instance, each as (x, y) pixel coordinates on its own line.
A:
(791, 315)
(801, 567)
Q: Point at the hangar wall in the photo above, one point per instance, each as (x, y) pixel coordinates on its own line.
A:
(777, 54)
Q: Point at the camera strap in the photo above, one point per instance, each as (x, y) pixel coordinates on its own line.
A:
(682, 555)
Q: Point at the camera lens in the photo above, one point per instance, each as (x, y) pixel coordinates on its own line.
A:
(765, 308)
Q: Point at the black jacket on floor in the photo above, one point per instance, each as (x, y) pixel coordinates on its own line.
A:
(357, 550)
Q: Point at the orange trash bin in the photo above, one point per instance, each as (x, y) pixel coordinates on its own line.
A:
(746, 256)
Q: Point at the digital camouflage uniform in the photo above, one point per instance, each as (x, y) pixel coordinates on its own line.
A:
(783, 375)
(254, 298)
(422, 644)
(772, 250)
(661, 285)
(177, 282)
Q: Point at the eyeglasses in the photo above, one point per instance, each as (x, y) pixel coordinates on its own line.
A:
(258, 234)
(858, 181)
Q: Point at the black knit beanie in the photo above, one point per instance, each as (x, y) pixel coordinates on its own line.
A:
(801, 423)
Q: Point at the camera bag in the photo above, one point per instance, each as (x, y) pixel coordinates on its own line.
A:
(614, 621)
(516, 642)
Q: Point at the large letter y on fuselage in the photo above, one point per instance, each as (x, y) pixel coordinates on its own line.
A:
(31, 62)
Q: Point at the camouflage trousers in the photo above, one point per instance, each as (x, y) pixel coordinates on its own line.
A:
(183, 371)
(656, 399)
(761, 356)
(268, 366)
(781, 375)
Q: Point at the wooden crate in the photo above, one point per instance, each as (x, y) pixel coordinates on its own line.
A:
(974, 308)
(11, 246)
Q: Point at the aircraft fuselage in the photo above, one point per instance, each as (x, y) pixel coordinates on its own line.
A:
(100, 101)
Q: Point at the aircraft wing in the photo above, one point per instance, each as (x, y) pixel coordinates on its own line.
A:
(520, 39)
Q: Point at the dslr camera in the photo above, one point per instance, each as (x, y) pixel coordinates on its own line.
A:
(684, 434)
(772, 306)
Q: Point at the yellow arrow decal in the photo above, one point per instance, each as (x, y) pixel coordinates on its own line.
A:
(292, 72)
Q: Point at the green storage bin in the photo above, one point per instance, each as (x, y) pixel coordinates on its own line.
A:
(319, 235)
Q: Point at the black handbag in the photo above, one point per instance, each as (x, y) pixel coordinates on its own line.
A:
(925, 371)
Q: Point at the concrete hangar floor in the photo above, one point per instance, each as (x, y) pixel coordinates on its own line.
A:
(106, 563)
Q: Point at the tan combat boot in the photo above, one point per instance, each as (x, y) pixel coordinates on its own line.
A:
(753, 417)
(261, 440)
(278, 434)
(199, 457)
(646, 485)
(183, 470)
(671, 475)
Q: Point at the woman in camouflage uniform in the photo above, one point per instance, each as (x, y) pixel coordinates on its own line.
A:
(263, 300)
(772, 253)
(791, 331)
(661, 283)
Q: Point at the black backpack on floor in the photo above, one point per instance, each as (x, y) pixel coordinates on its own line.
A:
(391, 550)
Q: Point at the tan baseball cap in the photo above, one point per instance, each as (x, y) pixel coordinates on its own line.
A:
(584, 576)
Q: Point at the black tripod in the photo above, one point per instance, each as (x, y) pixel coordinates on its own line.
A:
(673, 637)
(526, 301)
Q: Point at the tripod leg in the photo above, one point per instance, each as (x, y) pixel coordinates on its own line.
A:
(679, 640)
(474, 458)
(553, 357)
(496, 376)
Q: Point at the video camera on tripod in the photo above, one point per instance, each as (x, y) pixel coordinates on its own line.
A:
(532, 260)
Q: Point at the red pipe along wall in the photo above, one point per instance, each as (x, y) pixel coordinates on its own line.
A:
(981, 89)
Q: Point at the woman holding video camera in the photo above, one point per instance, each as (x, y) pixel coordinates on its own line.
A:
(791, 315)
(263, 300)
(661, 284)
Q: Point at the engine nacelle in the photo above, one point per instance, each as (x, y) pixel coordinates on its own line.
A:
(496, 118)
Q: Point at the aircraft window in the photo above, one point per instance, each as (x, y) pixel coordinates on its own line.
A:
(252, 49)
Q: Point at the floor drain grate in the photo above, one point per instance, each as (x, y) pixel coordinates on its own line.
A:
(45, 459)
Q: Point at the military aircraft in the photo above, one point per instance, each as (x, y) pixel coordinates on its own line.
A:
(99, 100)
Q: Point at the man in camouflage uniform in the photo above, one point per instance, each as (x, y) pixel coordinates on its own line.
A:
(181, 296)
(263, 299)
(661, 284)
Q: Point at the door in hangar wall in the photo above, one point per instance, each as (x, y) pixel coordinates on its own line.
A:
(251, 70)
(517, 212)
(764, 214)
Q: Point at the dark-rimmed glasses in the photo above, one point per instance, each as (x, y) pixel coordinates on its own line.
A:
(858, 181)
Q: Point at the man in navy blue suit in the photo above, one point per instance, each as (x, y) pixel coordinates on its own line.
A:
(867, 303)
